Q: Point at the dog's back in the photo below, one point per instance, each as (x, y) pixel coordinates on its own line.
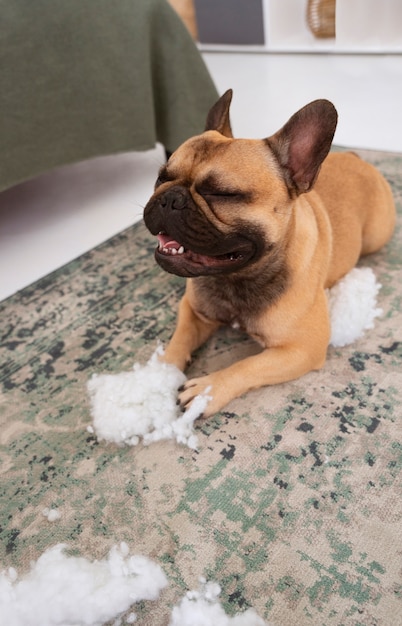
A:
(360, 207)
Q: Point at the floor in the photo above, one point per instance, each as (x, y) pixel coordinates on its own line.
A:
(47, 222)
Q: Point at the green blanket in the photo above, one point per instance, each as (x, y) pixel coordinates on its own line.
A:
(80, 78)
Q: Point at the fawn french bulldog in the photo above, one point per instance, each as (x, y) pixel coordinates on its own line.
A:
(261, 228)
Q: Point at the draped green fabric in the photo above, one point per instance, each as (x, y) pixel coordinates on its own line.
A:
(82, 78)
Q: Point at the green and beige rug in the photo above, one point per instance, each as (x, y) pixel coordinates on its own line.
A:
(293, 500)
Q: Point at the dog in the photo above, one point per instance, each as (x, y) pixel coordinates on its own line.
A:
(261, 228)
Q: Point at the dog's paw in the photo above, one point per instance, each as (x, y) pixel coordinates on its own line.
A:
(207, 386)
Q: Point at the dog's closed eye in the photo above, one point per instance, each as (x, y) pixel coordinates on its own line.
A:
(212, 187)
(233, 195)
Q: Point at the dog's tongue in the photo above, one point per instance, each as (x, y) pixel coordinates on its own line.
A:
(166, 242)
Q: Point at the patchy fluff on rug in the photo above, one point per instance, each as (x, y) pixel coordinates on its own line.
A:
(202, 608)
(142, 403)
(353, 306)
(62, 590)
(72, 591)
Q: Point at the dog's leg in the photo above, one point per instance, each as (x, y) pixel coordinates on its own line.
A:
(270, 367)
(306, 352)
(191, 332)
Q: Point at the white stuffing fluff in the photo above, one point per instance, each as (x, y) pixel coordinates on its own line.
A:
(353, 306)
(202, 608)
(52, 515)
(143, 403)
(72, 591)
(63, 590)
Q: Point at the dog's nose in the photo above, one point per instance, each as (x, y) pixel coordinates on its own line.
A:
(173, 199)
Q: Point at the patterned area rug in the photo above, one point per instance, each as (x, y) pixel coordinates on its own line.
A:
(292, 503)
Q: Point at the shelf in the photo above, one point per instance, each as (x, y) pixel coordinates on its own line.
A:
(362, 27)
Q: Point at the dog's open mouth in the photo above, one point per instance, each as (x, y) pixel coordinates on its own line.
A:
(176, 258)
(171, 247)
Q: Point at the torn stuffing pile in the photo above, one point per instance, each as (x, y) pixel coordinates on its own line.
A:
(143, 403)
(71, 591)
(353, 306)
(63, 590)
(202, 608)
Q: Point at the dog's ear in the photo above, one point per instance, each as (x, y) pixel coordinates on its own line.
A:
(303, 143)
(218, 117)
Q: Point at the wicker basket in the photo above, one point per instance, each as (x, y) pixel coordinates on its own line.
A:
(321, 17)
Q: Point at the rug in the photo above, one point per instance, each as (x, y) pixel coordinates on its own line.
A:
(292, 501)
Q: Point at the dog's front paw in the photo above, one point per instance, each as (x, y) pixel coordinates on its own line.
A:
(207, 386)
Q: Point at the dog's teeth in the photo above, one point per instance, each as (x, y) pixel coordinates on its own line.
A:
(167, 249)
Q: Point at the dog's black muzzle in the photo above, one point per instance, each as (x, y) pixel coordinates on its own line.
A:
(189, 243)
(175, 212)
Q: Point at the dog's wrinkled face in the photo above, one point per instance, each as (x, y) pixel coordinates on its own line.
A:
(222, 204)
(207, 209)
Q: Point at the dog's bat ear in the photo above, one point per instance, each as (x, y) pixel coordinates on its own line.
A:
(218, 116)
(303, 143)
